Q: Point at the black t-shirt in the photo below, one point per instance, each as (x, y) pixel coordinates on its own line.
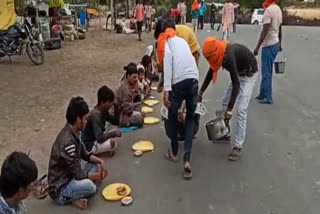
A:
(213, 8)
(239, 61)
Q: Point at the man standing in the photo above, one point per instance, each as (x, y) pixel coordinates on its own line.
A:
(148, 17)
(242, 67)
(97, 136)
(183, 11)
(180, 83)
(195, 11)
(227, 19)
(270, 40)
(203, 9)
(213, 14)
(175, 15)
(69, 180)
(236, 7)
(139, 16)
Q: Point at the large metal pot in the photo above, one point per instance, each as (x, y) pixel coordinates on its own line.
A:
(216, 129)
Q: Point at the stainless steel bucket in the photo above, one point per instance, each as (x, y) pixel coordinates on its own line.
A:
(216, 129)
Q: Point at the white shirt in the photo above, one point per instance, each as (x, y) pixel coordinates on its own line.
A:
(179, 63)
(273, 16)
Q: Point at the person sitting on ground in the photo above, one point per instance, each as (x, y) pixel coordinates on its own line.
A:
(143, 85)
(18, 175)
(99, 137)
(146, 62)
(130, 111)
(69, 180)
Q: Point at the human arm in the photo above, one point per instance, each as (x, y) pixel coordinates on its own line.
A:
(261, 39)
(280, 37)
(167, 74)
(100, 135)
(266, 25)
(103, 171)
(205, 84)
(231, 62)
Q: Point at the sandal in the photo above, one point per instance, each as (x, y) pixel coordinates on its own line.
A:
(235, 154)
(170, 157)
(187, 172)
(41, 188)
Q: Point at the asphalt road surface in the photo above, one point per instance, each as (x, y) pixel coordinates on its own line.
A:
(278, 172)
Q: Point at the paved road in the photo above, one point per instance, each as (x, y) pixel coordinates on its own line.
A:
(278, 173)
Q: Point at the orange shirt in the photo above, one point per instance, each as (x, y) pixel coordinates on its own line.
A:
(139, 12)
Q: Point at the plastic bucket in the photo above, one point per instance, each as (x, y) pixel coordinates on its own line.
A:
(280, 64)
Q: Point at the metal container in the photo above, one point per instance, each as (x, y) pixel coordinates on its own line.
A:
(280, 64)
(216, 129)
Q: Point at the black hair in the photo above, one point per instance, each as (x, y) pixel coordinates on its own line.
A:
(158, 29)
(168, 24)
(130, 69)
(141, 70)
(161, 27)
(146, 60)
(18, 171)
(105, 94)
(77, 108)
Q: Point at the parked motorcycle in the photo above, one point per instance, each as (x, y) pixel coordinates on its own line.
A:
(18, 36)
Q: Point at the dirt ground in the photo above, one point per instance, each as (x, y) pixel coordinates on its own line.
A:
(34, 98)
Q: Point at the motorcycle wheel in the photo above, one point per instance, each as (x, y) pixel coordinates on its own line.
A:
(35, 53)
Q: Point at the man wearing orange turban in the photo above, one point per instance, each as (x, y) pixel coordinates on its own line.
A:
(242, 67)
(270, 40)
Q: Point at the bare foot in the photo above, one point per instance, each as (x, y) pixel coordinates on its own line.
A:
(81, 203)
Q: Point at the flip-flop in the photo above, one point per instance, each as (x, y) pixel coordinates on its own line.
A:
(187, 173)
(169, 157)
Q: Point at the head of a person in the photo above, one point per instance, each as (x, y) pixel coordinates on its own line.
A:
(131, 73)
(158, 29)
(77, 113)
(168, 24)
(141, 73)
(146, 62)
(140, 1)
(105, 98)
(18, 175)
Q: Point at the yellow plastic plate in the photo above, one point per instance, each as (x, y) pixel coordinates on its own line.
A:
(143, 146)
(151, 103)
(109, 193)
(151, 120)
(146, 110)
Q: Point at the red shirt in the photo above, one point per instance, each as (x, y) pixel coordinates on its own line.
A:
(175, 12)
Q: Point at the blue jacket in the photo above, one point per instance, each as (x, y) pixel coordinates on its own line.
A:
(203, 9)
(195, 14)
(5, 209)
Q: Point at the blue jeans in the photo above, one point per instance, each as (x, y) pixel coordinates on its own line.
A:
(268, 56)
(77, 189)
(185, 90)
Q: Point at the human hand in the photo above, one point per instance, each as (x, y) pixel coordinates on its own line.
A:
(199, 97)
(166, 101)
(117, 133)
(103, 171)
(159, 87)
(228, 115)
(256, 51)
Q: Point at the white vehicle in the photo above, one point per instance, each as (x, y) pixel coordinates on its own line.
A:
(257, 16)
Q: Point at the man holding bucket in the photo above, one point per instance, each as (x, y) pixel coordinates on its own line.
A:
(242, 67)
(270, 40)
